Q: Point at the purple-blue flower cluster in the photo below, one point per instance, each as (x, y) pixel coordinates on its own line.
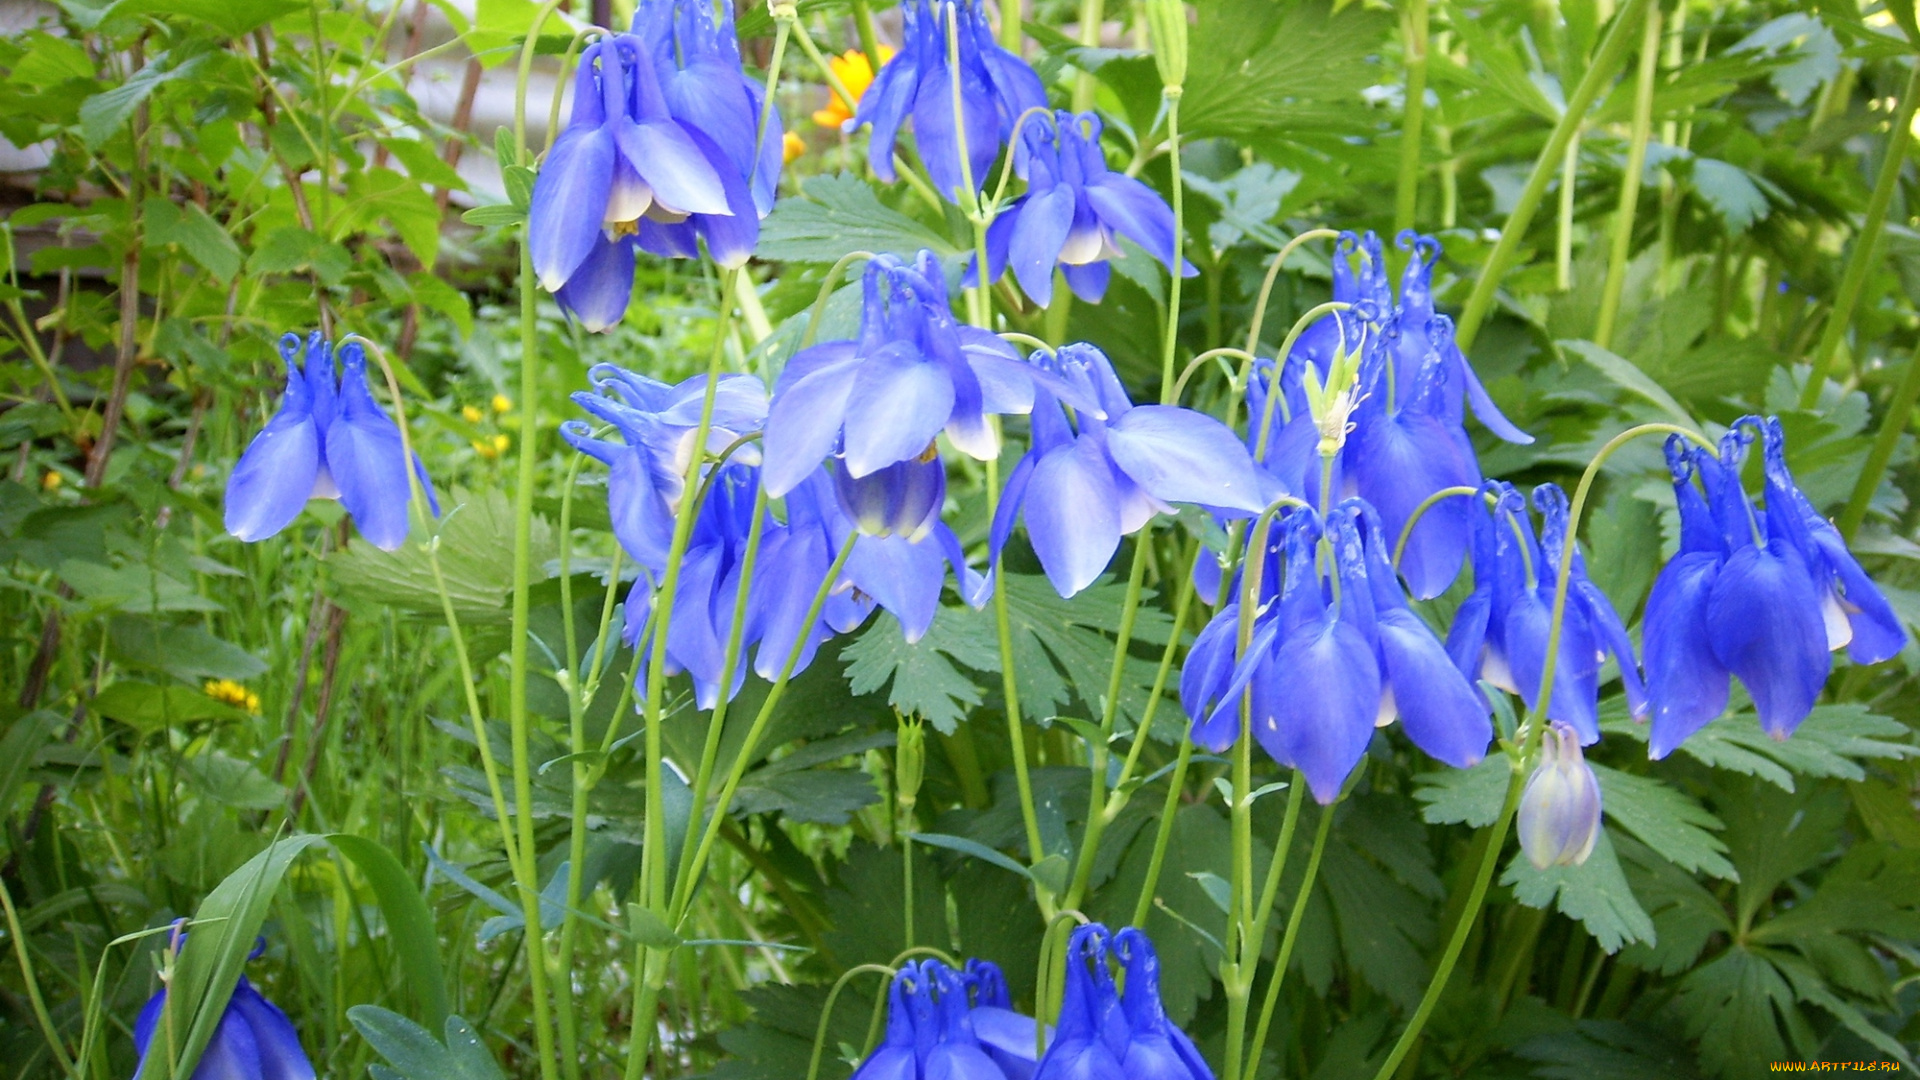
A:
(947, 1024)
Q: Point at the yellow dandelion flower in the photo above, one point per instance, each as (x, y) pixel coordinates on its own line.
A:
(471, 414)
(51, 481)
(856, 74)
(232, 693)
(791, 146)
(500, 444)
(502, 403)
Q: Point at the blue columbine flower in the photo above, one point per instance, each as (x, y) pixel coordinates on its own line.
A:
(657, 423)
(254, 1041)
(1500, 632)
(1560, 808)
(944, 1024)
(901, 557)
(1072, 212)
(328, 440)
(622, 157)
(1319, 673)
(995, 88)
(1409, 396)
(1106, 1033)
(697, 58)
(1764, 595)
(1081, 491)
(912, 373)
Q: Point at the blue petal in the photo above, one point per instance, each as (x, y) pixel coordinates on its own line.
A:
(898, 403)
(599, 288)
(1011, 499)
(939, 141)
(1071, 515)
(1523, 643)
(885, 106)
(281, 1057)
(889, 1063)
(1317, 706)
(803, 422)
(1396, 463)
(276, 475)
(569, 203)
(999, 240)
(730, 237)
(232, 1053)
(1489, 413)
(903, 577)
(1004, 1030)
(365, 456)
(1443, 714)
(1686, 684)
(1135, 211)
(1763, 616)
(1089, 281)
(1044, 221)
(1179, 455)
(1877, 631)
(961, 1061)
(787, 578)
(665, 154)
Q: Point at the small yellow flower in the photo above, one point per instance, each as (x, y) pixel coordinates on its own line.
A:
(50, 481)
(491, 448)
(500, 444)
(856, 74)
(502, 403)
(471, 414)
(232, 693)
(791, 146)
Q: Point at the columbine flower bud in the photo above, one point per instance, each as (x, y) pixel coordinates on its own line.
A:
(902, 499)
(1560, 809)
(909, 761)
(1167, 30)
(1332, 402)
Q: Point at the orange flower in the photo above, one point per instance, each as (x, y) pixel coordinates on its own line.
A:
(855, 72)
(791, 146)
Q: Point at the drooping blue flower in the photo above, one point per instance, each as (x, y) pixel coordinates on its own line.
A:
(254, 1041)
(1500, 633)
(1764, 595)
(1407, 439)
(1105, 1032)
(913, 373)
(329, 439)
(944, 1024)
(1073, 211)
(697, 57)
(1081, 490)
(622, 157)
(995, 88)
(657, 424)
(1559, 816)
(1326, 664)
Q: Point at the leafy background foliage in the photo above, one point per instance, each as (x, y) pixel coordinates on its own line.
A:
(210, 174)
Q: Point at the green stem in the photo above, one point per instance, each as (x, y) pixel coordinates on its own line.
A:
(1864, 257)
(1273, 274)
(1163, 832)
(1287, 940)
(1630, 183)
(1171, 95)
(863, 25)
(1011, 38)
(1892, 423)
(1462, 929)
(1406, 195)
(1563, 235)
(1092, 14)
(1613, 50)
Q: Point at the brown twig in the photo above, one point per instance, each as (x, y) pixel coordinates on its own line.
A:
(336, 622)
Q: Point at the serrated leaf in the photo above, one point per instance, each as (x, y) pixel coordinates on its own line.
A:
(203, 239)
(1732, 193)
(925, 681)
(1666, 820)
(185, 652)
(838, 214)
(417, 1055)
(1730, 1005)
(1685, 915)
(1832, 741)
(1465, 796)
(1595, 893)
(1258, 66)
(476, 556)
(232, 782)
(105, 113)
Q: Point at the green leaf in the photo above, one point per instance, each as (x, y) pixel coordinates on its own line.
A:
(105, 113)
(498, 23)
(1733, 193)
(25, 737)
(1259, 67)
(475, 538)
(410, 929)
(132, 588)
(1831, 742)
(1471, 797)
(1629, 377)
(434, 294)
(186, 652)
(1666, 820)
(974, 849)
(925, 681)
(495, 214)
(416, 1055)
(839, 214)
(223, 932)
(1730, 1007)
(1062, 649)
(1685, 915)
(233, 18)
(649, 929)
(153, 708)
(1623, 548)
(202, 238)
(1595, 893)
(232, 782)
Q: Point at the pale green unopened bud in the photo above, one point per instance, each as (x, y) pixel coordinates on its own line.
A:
(1167, 30)
(909, 761)
(1560, 809)
(1332, 403)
